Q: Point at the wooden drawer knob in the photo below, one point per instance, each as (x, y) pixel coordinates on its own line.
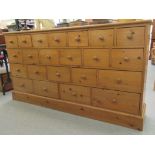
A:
(58, 74)
(24, 41)
(78, 39)
(22, 85)
(11, 42)
(70, 57)
(40, 41)
(139, 58)
(114, 100)
(57, 40)
(81, 95)
(48, 57)
(101, 38)
(83, 77)
(18, 70)
(14, 56)
(95, 58)
(119, 81)
(30, 56)
(74, 94)
(45, 89)
(126, 58)
(130, 35)
(36, 72)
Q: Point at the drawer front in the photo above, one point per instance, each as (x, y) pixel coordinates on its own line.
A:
(78, 38)
(15, 55)
(96, 58)
(49, 56)
(57, 39)
(24, 41)
(70, 57)
(23, 85)
(30, 56)
(120, 80)
(85, 77)
(127, 59)
(130, 37)
(75, 93)
(48, 89)
(11, 41)
(116, 100)
(61, 74)
(101, 38)
(18, 70)
(40, 40)
(37, 72)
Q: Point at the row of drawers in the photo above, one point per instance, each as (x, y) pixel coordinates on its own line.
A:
(126, 37)
(123, 59)
(115, 100)
(109, 79)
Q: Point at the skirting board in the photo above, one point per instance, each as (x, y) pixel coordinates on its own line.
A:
(119, 118)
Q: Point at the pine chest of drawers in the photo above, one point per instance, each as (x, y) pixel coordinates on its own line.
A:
(95, 71)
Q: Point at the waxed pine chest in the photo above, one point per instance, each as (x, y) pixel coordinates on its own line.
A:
(96, 71)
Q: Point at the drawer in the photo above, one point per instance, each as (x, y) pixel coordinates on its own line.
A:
(116, 100)
(18, 70)
(70, 57)
(78, 38)
(24, 41)
(57, 39)
(130, 37)
(11, 41)
(127, 59)
(30, 56)
(48, 89)
(37, 72)
(49, 56)
(23, 85)
(15, 55)
(120, 80)
(101, 38)
(61, 74)
(75, 93)
(40, 40)
(96, 58)
(85, 77)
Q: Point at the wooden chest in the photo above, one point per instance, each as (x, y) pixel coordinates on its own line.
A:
(96, 71)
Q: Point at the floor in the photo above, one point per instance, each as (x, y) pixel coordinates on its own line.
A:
(22, 118)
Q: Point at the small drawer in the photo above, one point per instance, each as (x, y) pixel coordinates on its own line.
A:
(61, 74)
(85, 77)
(70, 57)
(15, 55)
(11, 41)
(18, 70)
(48, 89)
(75, 93)
(37, 72)
(23, 85)
(57, 39)
(24, 41)
(49, 56)
(127, 59)
(130, 37)
(101, 38)
(40, 40)
(78, 38)
(96, 58)
(30, 56)
(116, 100)
(120, 80)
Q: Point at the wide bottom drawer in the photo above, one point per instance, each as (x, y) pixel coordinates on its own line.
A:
(116, 100)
